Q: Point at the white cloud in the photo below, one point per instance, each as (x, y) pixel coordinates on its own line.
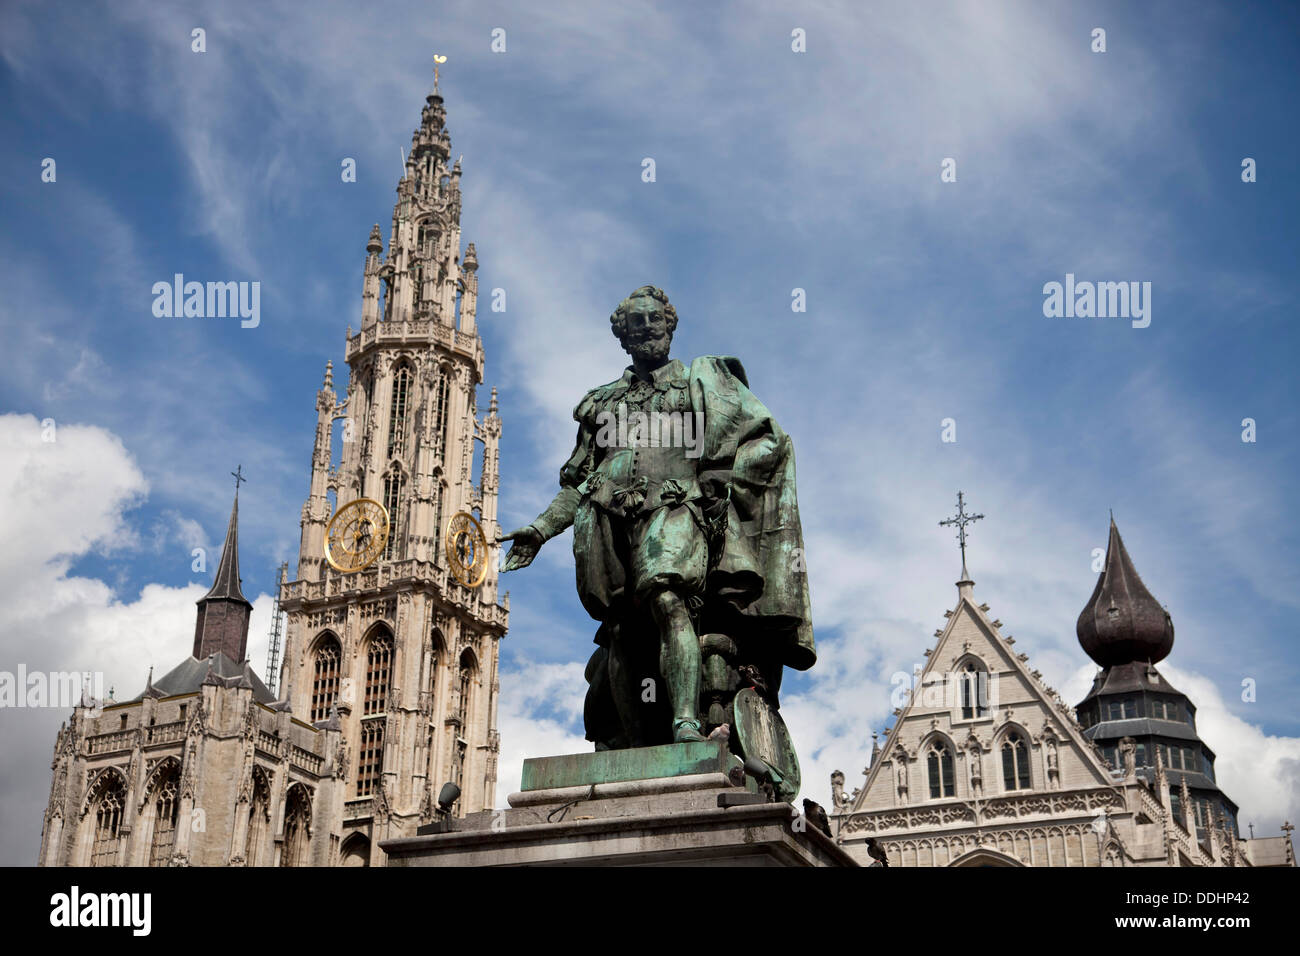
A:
(539, 706)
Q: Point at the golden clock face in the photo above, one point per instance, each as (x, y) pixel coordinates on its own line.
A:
(467, 550)
(356, 535)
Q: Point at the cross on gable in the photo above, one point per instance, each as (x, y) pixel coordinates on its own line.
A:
(960, 520)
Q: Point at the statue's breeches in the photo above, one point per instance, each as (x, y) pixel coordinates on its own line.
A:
(622, 558)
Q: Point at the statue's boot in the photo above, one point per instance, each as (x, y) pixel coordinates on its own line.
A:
(685, 728)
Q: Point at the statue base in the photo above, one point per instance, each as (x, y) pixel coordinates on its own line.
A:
(671, 805)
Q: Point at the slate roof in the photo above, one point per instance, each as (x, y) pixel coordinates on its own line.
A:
(192, 673)
(1122, 622)
(1140, 727)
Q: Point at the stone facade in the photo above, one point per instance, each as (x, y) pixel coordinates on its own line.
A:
(985, 765)
(389, 674)
(211, 777)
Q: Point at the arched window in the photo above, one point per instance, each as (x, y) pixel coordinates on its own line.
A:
(440, 417)
(325, 678)
(370, 756)
(974, 691)
(379, 669)
(437, 511)
(458, 767)
(464, 689)
(393, 483)
(417, 283)
(939, 765)
(108, 820)
(1015, 762)
(166, 805)
(259, 821)
(297, 827)
(356, 851)
(397, 411)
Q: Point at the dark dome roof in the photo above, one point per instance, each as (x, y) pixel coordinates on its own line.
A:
(1122, 622)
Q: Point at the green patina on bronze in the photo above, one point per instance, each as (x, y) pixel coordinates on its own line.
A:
(688, 548)
(641, 763)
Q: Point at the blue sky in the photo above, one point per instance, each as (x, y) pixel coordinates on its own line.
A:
(775, 170)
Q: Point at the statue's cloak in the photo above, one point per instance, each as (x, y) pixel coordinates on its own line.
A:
(744, 446)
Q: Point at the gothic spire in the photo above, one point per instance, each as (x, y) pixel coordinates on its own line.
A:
(227, 581)
(222, 620)
(1122, 623)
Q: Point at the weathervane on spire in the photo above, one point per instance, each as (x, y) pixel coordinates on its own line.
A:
(437, 59)
(961, 519)
(238, 475)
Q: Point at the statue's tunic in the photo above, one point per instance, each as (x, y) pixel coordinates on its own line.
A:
(710, 511)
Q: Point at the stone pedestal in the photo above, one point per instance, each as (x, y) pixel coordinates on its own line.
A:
(674, 805)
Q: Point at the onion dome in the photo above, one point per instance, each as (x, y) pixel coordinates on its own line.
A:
(1122, 623)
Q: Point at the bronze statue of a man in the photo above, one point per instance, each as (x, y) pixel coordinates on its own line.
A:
(686, 538)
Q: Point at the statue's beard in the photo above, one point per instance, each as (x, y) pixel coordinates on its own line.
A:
(648, 350)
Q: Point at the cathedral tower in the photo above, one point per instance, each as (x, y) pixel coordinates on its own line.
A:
(404, 651)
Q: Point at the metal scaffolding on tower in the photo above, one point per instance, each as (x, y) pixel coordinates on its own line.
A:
(277, 630)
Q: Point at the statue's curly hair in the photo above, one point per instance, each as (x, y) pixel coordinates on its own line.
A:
(618, 321)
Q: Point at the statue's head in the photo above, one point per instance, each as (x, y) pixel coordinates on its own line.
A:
(644, 323)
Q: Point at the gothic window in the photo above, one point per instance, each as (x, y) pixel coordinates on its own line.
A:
(939, 765)
(440, 416)
(417, 283)
(108, 819)
(397, 412)
(437, 509)
(297, 824)
(379, 667)
(974, 691)
(1140, 755)
(428, 235)
(432, 702)
(1015, 762)
(1176, 804)
(464, 689)
(370, 756)
(458, 768)
(392, 500)
(325, 678)
(259, 819)
(166, 805)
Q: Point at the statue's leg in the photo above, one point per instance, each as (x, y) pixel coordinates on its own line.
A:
(624, 687)
(669, 560)
(679, 662)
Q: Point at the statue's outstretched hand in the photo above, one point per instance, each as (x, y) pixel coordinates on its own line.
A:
(527, 543)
